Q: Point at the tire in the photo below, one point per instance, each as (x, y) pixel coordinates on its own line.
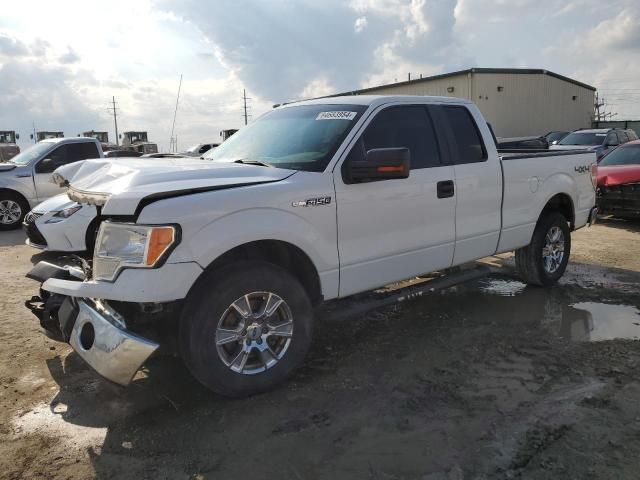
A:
(13, 208)
(530, 261)
(209, 306)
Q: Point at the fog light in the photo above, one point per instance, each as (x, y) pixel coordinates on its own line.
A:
(87, 336)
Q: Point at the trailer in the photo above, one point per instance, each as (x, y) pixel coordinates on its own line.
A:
(8, 146)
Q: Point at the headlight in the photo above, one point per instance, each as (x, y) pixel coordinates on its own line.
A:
(127, 245)
(63, 214)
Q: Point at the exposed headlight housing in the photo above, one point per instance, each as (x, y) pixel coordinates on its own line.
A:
(64, 214)
(128, 245)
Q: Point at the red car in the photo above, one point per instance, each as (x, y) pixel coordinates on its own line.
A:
(619, 181)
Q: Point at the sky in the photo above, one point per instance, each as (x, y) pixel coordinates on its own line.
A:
(61, 63)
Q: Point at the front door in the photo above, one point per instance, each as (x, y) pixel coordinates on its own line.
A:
(391, 230)
(62, 155)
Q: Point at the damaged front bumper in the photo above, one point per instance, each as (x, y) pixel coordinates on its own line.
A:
(622, 200)
(96, 332)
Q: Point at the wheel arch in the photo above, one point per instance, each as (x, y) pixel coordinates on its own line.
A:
(562, 203)
(278, 252)
(17, 193)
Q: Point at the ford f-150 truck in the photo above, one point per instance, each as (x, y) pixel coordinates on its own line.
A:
(25, 180)
(225, 260)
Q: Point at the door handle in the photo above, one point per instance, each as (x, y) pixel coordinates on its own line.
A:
(446, 189)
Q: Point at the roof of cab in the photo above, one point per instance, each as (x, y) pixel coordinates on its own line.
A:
(375, 100)
(67, 139)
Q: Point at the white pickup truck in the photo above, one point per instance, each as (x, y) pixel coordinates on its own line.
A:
(25, 180)
(315, 200)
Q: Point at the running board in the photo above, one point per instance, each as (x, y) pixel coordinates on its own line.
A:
(358, 305)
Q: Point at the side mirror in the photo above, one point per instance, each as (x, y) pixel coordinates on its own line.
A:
(381, 164)
(555, 142)
(47, 165)
(17, 136)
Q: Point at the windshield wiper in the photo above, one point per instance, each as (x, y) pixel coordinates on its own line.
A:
(252, 162)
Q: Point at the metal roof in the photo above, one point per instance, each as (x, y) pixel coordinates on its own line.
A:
(517, 71)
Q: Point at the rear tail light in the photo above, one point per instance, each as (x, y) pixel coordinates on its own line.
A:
(594, 175)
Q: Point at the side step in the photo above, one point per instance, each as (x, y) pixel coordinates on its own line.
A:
(362, 303)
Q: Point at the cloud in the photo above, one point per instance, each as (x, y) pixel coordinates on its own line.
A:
(280, 51)
(42, 94)
(360, 24)
(10, 46)
(69, 57)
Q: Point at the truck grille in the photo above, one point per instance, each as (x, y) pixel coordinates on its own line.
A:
(31, 230)
(31, 217)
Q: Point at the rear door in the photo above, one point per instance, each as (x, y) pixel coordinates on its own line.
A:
(62, 155)
(394, 229)
(478, 181)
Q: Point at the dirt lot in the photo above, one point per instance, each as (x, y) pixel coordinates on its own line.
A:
(491, 379)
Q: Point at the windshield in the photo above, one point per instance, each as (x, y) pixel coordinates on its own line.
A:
(31, 153)
(628, 155)
(583, 138)
(300, 138)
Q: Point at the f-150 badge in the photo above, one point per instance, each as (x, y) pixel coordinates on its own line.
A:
(313, 202)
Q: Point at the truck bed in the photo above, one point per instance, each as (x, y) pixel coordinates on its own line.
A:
(529, 185)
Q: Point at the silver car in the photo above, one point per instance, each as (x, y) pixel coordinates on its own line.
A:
(25, 178)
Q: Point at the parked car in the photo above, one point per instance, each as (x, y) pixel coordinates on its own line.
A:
(619, 181)
(600, 140)
(25, 179)
(61, 225)
(555, 136)
(523, 143)
(314, 200)
(122, 153)
(200, 149)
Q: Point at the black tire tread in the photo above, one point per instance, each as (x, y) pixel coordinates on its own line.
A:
(528, 259)
(16, 197)
(206, 302)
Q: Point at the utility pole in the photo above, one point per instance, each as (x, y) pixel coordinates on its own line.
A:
(598, 105)
(115, 118)
(244, 97)
(173, 141)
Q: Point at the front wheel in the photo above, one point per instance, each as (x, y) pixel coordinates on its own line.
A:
(245, 328)
(545, 259)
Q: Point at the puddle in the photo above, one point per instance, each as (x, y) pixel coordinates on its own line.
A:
(604, 322)
(505, 288)
(562, 312)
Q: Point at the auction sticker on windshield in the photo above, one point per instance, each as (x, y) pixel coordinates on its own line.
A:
(336, 116)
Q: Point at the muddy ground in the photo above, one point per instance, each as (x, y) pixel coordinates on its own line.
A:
(491, 379)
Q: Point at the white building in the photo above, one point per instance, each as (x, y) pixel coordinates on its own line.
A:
(516, 101)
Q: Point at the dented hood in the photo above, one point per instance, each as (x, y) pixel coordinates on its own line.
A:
(120, 184)
(618, 175)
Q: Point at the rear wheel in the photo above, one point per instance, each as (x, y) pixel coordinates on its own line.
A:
(13, 208)
(245, 328)
(545, 259)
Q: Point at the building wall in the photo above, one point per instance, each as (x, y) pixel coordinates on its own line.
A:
(529, 104)
(460, 84)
